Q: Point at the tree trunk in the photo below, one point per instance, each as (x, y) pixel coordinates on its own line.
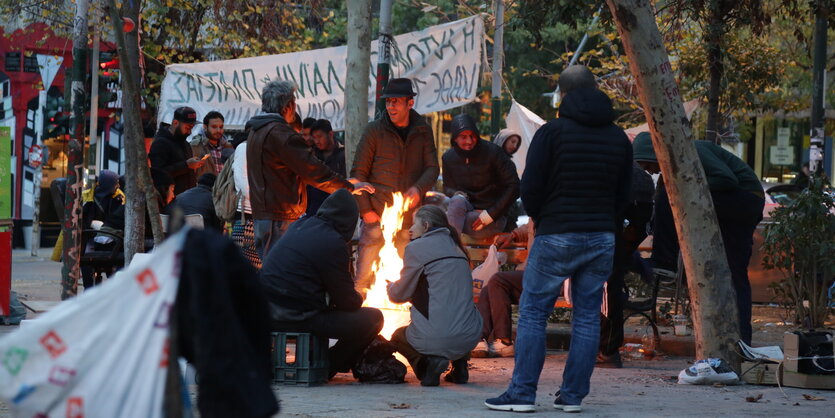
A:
(715, 318)
(139, 187)
(357, 80)
(71, 269)
(716, 70)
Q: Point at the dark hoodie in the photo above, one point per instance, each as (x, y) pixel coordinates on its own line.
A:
(169, 153)
(306, 272)
(579, 168)
(485, 174)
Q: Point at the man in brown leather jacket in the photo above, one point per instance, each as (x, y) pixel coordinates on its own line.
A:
(280, 164)
(396, 154)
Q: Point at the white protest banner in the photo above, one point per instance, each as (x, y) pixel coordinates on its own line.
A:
(525, 123)
(443, 61)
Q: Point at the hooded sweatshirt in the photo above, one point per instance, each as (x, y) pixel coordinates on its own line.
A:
(502, 137)
(579, 168)
(306, 272)
(485, 174)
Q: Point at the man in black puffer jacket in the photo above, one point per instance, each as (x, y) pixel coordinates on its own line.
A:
(577, 180)
(171, 153)
(481, 180)
(310, 288)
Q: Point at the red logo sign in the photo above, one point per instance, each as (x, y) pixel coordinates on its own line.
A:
(147, 281)
(164, 361)
(60, 376)
(53, 344)
(75, 407)
(35, 156)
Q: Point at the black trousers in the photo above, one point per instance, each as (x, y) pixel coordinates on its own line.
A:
(495, 304)
(738, 213)
(627, 241)
(354, 330)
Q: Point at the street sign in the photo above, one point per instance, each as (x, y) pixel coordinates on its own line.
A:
(780, 155)
(783, 136)
(35, 156)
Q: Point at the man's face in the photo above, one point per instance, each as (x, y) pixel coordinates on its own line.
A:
(182, 129)
(308, 137)
(650, 167)
(466, 140)
(323, 141)
(214, 129)
(398, 110)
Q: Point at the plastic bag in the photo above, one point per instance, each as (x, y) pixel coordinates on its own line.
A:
(708, 372)
(101, 354)
(378, 364)
(486, 270)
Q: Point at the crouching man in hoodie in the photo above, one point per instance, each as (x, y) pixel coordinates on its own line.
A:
(310, 288)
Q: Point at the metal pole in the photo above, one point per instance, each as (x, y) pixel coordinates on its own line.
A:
(94, 155)
(555, 99)
(39, 133)
(498, 58)
(383, 56)
(71, 270)
(818, 70)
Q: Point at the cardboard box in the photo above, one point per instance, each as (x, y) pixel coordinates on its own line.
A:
(759, 373)
(807, 381)
(792, 350)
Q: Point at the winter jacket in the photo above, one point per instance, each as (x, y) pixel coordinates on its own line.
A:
(239, 174)
(170, 154)
(486, 174)
(336, 162)
(579, 168)
(198, 200)
(200, 146)
(222, 328)
(724, 171)
(436, 279)
(307, 270)
(392, 165)
(280, 164)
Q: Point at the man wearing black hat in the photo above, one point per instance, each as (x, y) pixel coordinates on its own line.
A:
(395, 154)
(171, 152)
(480, 179)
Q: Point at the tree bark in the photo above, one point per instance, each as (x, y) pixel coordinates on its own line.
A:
(716, 70)
(715, 317)
(357, 80)
(71, 269)
(139, 188)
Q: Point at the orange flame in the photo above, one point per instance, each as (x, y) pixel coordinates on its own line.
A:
(387, 269)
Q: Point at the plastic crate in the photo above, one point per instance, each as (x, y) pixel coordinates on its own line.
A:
(299, 359)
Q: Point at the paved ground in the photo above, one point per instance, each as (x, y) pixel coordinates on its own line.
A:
(642, 388)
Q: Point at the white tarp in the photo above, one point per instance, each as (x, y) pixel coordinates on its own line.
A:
(525, 123)
(443, 61)
(101, 354)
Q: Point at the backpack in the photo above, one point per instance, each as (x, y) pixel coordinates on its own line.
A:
(224, 195)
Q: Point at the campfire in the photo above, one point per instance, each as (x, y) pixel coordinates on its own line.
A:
(388, 269)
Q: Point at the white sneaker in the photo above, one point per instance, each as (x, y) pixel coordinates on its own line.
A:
(481, 350)
(500, 349)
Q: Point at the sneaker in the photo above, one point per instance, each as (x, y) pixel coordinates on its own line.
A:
(459, 374)
(558, 403)
(708, 372)
(481, 350)
(500, 349)
(505, 403)
(435, 366)
(609, 362)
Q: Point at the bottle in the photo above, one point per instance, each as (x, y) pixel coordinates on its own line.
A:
(648, 346)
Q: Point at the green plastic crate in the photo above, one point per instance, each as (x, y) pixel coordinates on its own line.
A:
(299, 359)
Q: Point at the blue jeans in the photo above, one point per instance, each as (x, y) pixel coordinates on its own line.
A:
(267, 233)
(461, 214)
(587, 259)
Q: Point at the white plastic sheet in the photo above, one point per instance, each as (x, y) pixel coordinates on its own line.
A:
(526, 123)
(101, 354)
(486, 270)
